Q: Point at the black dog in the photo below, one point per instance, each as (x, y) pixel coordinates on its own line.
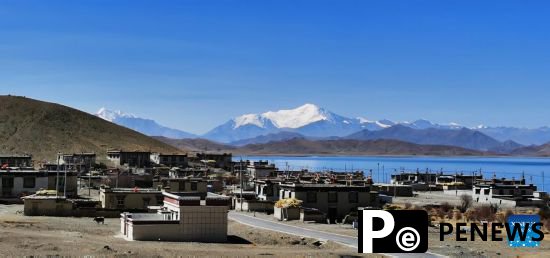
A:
(99, 220)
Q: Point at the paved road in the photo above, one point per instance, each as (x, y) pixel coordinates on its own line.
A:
(349, 241)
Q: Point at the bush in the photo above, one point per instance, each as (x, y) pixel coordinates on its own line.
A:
(458, 216)
(485, 212)
(465, 202)
(445, 207)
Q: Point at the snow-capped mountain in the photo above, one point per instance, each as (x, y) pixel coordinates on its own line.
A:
(142, 125)
(312, 122)
(374, 125)
(111, 115)
(308, 119)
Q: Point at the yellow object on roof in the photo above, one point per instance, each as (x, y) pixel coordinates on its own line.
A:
(46, 192)
(288, 203)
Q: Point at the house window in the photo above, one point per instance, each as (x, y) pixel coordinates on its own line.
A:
(311, 197)
(486, 191)
(332, 197)
(522, 192)
(193, 186)
(477, 191)
(120, 201)
(181, 185)
(7, 182)
(29, 182)
(160, 201)
(353, 197)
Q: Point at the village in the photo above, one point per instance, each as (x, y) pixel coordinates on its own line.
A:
(201, 198)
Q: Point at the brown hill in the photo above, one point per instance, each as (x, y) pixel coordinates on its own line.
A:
(354, 147)
(325, 147)
(196, 145)
(534, 150)
(42, 129)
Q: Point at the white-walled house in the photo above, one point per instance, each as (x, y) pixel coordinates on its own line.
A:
(181, 218)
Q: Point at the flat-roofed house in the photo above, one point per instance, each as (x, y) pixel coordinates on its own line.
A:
(261, 169)
(170, 160)
(14, 160)
(222, 160)
(129, 198)
(135, 159)
(335, 200)
(191, 186)
(79, 161)
(506, 195)
(181, 218)
(17, 183)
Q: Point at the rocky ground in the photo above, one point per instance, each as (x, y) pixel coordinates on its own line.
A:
(56, 236)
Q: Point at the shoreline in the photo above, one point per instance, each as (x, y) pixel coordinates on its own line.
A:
(393, 156)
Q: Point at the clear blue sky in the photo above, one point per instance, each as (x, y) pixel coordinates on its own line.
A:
(195, 64)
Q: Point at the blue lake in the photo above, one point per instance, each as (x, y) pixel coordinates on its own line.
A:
(383, 167)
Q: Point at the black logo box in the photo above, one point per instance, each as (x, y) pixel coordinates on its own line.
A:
(417, 219)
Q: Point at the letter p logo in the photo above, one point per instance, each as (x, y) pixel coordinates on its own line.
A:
(404, 231)
(368, 227)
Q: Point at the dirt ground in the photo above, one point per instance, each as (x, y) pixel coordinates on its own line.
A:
(453, 248)
(57, 236)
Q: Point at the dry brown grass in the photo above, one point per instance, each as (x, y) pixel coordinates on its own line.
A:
(42, 129)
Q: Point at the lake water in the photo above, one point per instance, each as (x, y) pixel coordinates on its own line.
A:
(383, 167)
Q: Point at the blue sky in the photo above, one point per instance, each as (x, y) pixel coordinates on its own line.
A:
(195, 64)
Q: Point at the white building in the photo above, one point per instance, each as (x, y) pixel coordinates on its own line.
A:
(181, 218)
(506, 195)
(261, 169)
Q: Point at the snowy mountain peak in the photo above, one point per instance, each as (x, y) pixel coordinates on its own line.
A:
(111, 115)
(286, 118)
(248, 119)
(142, 125)
(380, 124)
(298, 117)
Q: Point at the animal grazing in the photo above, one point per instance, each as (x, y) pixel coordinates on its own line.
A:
(99, 220)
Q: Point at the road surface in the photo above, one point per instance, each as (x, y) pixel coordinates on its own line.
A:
(349, 241)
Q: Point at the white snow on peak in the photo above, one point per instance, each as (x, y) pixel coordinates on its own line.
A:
(382, 124)
(111, 115)
(298, 117)
(481, 127)
(379, 123)
(363, 120)
(253, 119)
(291, 118)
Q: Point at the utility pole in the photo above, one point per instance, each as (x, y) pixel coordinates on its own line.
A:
(241, 179)
(456, 189)
(65, 182)
(57, 178)
(384, 173)
(90, 177)
(378, 172)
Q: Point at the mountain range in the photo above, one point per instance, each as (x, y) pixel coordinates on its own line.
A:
(43, 129)
(315, 123)
(145, 126)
